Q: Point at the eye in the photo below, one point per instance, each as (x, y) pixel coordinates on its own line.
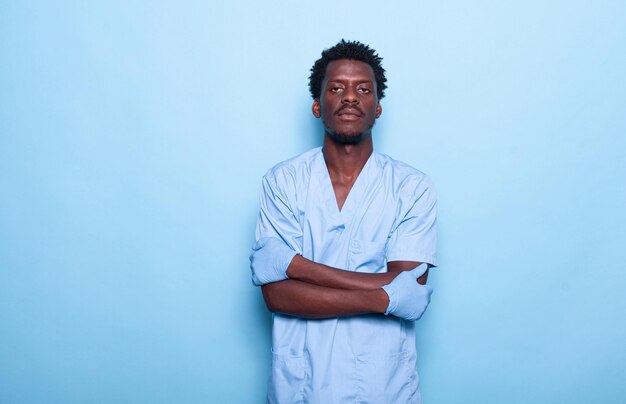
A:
(335, 89)
(364, 90)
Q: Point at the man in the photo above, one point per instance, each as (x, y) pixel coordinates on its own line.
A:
(344, 239)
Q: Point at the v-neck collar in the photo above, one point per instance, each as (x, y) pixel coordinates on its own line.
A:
(355, 195)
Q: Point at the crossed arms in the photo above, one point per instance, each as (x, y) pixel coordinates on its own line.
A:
(297, 286)
(319, 291)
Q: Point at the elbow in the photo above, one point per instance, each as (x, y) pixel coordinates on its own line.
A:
(281, 298)
(269, 296)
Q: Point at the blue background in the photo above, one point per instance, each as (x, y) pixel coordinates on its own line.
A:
(134, 134)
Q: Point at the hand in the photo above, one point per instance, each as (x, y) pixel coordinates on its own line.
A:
(269, 260)
(407, 298)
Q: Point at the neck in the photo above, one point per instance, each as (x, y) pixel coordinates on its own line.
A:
(346, 160)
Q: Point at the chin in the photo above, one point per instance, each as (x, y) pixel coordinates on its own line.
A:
(343, 138)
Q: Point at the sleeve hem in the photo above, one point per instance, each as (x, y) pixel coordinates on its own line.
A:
(413, 256)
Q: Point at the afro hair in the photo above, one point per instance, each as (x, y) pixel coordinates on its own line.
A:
(353, 50)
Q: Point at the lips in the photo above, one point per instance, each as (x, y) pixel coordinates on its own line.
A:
(349, 111)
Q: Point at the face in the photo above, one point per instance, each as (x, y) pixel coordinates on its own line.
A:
(348, 103)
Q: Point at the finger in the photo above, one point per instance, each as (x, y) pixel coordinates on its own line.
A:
(414, 273)
(420, 270)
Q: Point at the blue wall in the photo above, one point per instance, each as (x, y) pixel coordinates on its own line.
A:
(133, 136)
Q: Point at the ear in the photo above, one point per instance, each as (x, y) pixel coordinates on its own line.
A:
(316, 108)
(379, 110)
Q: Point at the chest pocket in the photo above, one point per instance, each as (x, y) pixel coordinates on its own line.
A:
(367, 256)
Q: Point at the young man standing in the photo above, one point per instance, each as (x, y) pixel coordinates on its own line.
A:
(345, 237)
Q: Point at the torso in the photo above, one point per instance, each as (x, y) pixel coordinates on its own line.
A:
(345, 225)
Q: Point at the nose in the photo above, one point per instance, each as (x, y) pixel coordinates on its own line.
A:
(349, 96)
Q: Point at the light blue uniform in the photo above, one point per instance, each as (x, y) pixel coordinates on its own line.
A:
(389, 215)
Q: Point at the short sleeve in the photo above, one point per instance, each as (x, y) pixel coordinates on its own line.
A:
(276, 216)
(415, 236)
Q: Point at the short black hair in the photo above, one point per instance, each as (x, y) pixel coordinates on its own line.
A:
(354, 50)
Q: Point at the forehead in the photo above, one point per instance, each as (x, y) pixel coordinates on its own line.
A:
(349, 70)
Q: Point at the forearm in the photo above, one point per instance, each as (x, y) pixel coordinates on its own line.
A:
(306, 300)
(305, 270)
(397, 266)
(272, 260)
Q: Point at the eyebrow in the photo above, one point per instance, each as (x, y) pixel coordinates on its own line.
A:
(348, 80)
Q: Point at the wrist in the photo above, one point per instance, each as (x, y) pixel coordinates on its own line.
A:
(379, 301)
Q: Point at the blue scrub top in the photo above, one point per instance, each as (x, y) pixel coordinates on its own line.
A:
(389, 215)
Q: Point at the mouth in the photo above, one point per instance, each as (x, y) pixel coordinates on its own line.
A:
(349, 113)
